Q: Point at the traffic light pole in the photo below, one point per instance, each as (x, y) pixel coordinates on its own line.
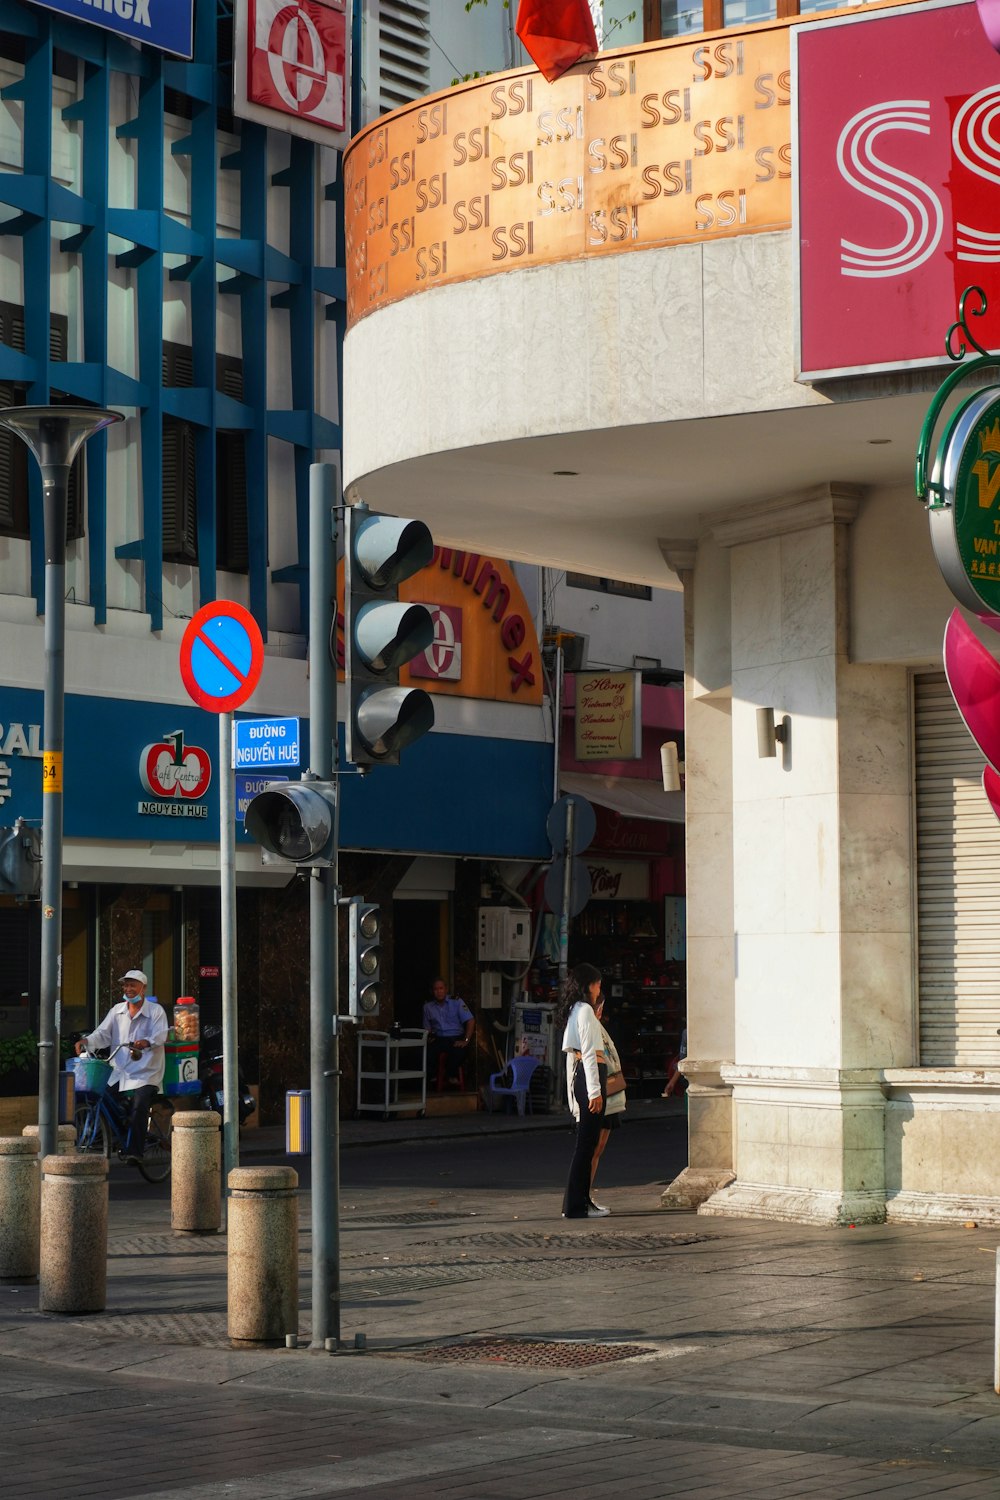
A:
(567, 891)
(227, 911)
(324, 1041)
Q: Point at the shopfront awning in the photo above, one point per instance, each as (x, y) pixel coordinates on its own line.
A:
(629, 796)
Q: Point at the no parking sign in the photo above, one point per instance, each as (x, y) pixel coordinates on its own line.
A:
(222, 654)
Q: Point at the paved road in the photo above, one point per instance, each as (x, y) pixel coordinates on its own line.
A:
(663, 1355)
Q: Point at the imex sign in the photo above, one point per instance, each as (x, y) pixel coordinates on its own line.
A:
(164, 24)
(485, 645)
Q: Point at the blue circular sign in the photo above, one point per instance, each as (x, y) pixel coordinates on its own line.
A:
(222, 654)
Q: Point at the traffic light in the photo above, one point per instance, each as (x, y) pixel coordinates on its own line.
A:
(381, 634)
(20, 860)
(365, 958)
(295, 819)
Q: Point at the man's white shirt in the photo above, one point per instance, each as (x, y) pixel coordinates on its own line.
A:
(148, 1024)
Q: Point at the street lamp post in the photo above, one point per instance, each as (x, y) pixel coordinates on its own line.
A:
(55, 435)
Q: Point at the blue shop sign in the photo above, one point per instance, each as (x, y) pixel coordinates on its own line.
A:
(165, 24)
(148, 772)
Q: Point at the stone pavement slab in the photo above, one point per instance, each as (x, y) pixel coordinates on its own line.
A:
(777, 1359)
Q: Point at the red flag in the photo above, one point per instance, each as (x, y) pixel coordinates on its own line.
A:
(556, 34)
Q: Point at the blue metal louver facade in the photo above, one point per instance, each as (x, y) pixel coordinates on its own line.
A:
(158, 244)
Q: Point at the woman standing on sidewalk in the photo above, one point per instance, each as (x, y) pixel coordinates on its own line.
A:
(586, 1077)
(614, 1103)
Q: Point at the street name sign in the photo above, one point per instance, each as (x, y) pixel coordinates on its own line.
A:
(265, 744)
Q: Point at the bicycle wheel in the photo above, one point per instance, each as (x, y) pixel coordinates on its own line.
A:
(92, 1133)
(154, 1164)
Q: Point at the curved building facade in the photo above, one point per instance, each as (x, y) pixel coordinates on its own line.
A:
(677, 318)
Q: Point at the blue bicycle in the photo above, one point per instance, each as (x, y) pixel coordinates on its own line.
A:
(102, 1121)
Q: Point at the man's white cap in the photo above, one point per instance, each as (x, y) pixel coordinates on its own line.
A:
(133, 974)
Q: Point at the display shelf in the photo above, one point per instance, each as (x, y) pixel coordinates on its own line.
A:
(385, 1061)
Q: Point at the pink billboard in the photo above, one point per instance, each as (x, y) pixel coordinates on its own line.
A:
(898, 185)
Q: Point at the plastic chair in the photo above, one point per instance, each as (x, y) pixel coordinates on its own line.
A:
(521, 1069)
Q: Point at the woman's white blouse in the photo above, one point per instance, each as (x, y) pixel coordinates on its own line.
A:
(583, 1035)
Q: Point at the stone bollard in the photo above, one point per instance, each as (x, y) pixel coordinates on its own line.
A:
(65, 1134)
(20, 1181)
(196, 1172)
(263, 1255)
(73, 1261)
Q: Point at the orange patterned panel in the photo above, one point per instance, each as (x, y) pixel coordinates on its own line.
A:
(670, 143)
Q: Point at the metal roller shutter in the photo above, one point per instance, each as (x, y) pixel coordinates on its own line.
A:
(958, 888)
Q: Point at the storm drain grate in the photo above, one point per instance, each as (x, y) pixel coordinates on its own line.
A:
(382, 1220)
(614, 1242)
(543, 1354)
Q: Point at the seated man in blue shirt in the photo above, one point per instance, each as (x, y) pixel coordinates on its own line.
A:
(451, 1026)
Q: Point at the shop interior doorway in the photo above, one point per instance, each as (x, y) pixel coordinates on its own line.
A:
(418, 934)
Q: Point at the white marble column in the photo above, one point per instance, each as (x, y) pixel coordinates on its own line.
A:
(708, 809)
(821, 886)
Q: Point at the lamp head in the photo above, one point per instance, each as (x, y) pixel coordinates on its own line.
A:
(55, 434)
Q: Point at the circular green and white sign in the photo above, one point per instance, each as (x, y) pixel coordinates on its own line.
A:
(965, 516)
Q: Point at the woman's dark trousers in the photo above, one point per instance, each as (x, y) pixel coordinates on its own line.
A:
(577, 1198)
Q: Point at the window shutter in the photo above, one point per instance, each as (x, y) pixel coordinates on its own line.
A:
(14, 459)
(232, 529)
(180, 511)
(13, 471)
(178, 365)
(59, 352)
(404, 52)
(958, 888)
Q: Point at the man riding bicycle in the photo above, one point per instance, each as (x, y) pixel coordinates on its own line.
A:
(139, 1027)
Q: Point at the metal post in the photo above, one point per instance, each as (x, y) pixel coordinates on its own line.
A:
(324, 1047)
(557, 724)
(227, 900)
(55, 486)
(567, 891)
(54, 434)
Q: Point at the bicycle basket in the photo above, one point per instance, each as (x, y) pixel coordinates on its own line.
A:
(92, 1074)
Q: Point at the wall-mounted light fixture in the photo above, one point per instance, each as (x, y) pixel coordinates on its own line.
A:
(770, 735)
(671, 767)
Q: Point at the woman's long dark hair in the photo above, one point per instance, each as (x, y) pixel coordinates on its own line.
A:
(575, 988)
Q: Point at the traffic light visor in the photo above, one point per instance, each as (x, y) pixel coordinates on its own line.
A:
(388, 635)
(388, 549)
(20, 860)
(294, 820)
(389, 719)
